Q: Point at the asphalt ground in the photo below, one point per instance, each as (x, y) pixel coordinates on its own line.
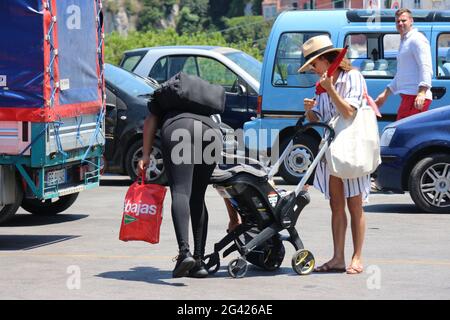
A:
(77, 255)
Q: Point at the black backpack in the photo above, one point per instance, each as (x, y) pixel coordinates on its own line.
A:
(186, 93)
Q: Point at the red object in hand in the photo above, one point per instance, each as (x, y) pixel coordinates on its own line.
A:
(331, 69)
(142, 213)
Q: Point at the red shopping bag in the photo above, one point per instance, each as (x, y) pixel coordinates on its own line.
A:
(142, 213)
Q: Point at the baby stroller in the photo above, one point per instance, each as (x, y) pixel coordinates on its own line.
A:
(265, 212)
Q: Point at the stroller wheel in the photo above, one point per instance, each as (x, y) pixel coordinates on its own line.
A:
(237, 268)
(212, 260)
(303, 262)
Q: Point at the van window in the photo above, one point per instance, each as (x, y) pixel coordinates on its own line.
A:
(391, 43)
(374, 54)
(357, 49)
(289, 59)
(443, 56)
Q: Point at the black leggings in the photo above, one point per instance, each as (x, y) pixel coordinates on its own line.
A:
(188, 182)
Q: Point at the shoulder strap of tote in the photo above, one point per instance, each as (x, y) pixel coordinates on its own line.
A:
(369, 99)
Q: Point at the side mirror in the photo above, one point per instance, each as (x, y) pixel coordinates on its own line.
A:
(110, 107)
(242, 90)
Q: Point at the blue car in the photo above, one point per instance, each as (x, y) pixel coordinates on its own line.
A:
(415, 155)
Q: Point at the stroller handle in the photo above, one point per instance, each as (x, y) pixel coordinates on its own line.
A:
(300, 128)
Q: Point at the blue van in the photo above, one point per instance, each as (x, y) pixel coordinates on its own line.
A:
(373, 43)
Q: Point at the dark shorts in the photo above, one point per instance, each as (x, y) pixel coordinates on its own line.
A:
(407, 108)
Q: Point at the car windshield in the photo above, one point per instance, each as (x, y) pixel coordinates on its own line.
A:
(128, 82)
(246, 62)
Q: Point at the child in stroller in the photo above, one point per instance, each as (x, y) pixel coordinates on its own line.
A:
(265, 211)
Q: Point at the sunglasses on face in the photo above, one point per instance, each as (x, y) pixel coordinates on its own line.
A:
(314, 64)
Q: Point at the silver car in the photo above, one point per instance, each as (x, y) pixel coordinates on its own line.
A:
(238, 72)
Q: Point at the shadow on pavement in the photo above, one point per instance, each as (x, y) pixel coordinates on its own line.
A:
(27, 220)
(28, 242)
(394, 208)
(254, 271)
(157, 276)
(115, 182)
(143, 274)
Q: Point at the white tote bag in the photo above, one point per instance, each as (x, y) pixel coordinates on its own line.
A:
(355, 151)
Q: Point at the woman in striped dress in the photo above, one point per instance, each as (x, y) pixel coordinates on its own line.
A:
(344, 94)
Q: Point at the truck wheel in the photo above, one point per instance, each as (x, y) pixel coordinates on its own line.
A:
(156, 173)
(9, 210)
(299, 159)
(429, 183)
(49, 207)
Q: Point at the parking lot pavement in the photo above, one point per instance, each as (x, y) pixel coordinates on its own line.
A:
(77, 255)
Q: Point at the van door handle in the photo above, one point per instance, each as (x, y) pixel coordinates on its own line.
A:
(438, 92)
(238, 109)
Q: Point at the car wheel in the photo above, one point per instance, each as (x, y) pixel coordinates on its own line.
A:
(49, 207)
(155, 172)
(300, 157)
(429, 183)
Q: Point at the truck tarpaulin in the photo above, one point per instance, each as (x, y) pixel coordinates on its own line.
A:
(50, 59)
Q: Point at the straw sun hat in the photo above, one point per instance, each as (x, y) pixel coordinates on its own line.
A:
(314, 48)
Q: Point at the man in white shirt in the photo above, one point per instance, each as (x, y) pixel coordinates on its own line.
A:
(414, 69)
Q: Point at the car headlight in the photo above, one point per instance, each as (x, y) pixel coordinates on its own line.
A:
(386, 137)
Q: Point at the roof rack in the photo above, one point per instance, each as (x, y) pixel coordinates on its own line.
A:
(388, 15)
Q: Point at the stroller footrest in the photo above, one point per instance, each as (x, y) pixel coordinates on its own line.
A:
(229, 250)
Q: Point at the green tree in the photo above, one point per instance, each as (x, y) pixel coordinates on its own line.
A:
(152, 12)
(193, 16)
(257, 7)
(199, 7)
(252, 28)
(217, 10)
(236, 8)
(188, 22)
(115, 44)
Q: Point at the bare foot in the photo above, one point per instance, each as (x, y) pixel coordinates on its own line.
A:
(355, 267)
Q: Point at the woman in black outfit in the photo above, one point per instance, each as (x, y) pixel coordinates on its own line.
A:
(188, 173)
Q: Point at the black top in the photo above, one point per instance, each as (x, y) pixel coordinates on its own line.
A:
(172, 115)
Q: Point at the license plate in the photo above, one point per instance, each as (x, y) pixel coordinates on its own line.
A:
(56, 177)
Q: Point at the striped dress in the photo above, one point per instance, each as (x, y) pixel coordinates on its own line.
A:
(350, 86)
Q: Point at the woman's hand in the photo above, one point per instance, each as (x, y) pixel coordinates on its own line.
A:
(326, 82)
(143, 164)
(308, 104)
